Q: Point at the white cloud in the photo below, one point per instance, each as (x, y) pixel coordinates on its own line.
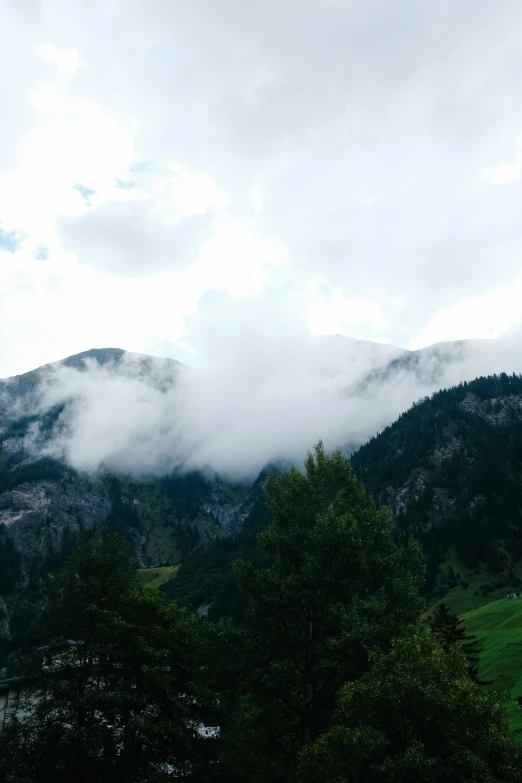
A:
(263, 393)
(490, 315)
(256, 197)
(330, 140)
(56, 308)
(131, 239)
(190, 192)
(328, 311)
(505, 172)
(240, 260)
(73, 141)
(67, 60)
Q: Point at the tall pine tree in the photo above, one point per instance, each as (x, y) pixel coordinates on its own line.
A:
(126, 700)
(450, 630)
(337, 591)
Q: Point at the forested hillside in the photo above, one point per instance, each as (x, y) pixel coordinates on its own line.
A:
(450, 468)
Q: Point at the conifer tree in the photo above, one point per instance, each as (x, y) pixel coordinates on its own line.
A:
(337, 591)
(121, 693)
(450, 630)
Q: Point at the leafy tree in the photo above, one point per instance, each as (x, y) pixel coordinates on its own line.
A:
(336, 591)
(450, 630)
(126, 699)
(415, 717)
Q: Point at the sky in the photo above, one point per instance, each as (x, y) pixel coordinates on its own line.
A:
(167, 167)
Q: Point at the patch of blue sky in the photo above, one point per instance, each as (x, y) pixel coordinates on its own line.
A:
(140, 165)
(10, 240)
(41, 253)
(84, 192)
(125, 184)
(212, 298)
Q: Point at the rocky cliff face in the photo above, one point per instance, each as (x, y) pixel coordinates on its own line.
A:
(35, 514)
(450, 442)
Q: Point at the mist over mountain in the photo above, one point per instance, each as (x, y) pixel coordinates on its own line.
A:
(448, 468)
(262, 399)
(174, 457)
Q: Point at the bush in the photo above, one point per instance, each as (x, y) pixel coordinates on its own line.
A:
(487, 588)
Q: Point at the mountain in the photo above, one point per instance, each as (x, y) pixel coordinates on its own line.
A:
(433, 466)
(450, 468)
(26, 388)
(44, 502)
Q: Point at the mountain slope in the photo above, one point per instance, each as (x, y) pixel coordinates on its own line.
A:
(25, 388)
(450, 468)
(44, 502)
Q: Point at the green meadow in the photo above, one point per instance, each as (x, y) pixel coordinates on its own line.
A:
(497, 622)
(498, 625)
(154, 577)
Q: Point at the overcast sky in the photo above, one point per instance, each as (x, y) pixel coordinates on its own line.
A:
(354, 164)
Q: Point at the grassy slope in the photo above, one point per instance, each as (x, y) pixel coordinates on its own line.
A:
(154, 577)
(497, 623)
(462, 600)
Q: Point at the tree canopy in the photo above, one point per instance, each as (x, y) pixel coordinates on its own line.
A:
(119, 693)
(327, 680)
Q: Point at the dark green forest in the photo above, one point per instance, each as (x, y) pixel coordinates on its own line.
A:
(479, 478)
(309, 663)
(328, 678)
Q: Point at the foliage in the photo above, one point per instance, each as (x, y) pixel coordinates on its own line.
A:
(464, 444)
(326, 677)
(125, 700)
(206, 577)
(338, 589)
(12, 475)
(415, 717)
(450, 630)
(186, 491)
(478, 479)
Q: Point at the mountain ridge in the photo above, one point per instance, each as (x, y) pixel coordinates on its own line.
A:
(450, 468)
(167, 518)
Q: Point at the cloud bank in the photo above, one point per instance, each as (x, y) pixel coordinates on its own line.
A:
(124, 238)
(266, 395)
(375, 144)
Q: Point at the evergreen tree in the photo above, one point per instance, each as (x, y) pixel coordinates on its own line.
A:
(122, 702)
(445, 626)
(450, 630)
(337, 591)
